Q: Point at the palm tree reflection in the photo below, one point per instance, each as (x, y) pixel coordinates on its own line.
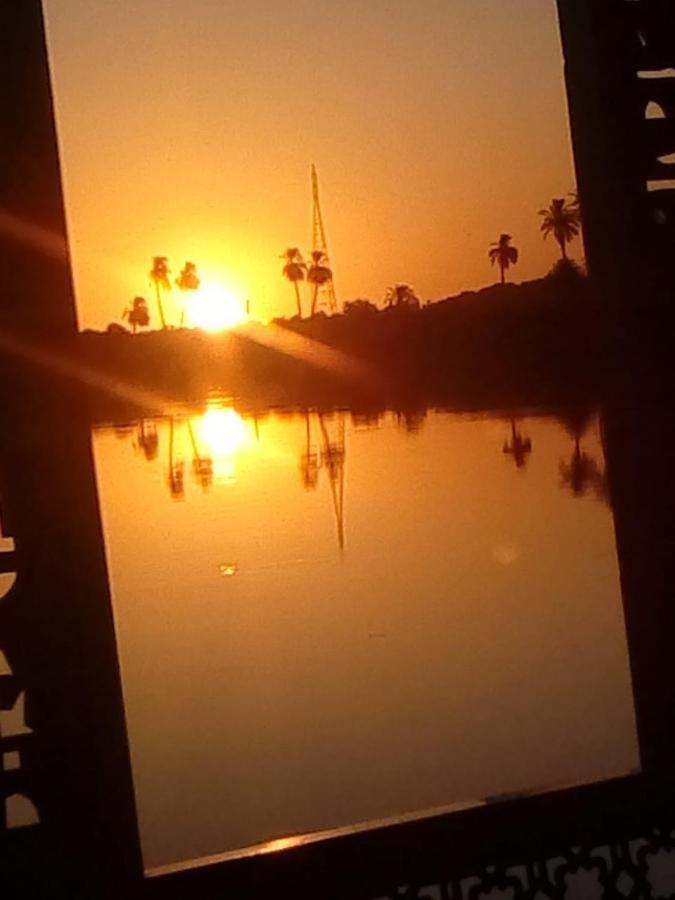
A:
(309, 461)
(519, 446)
(202, 465)
(581, 473)
(176, 466)
(148, 439)
(411, 419)
(331, 457)
(217, 433)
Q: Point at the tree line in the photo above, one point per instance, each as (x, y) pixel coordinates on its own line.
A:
(561, 219)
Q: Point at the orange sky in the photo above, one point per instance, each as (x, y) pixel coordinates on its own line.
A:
(188, 130)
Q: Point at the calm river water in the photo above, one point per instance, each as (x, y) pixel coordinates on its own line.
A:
(325, 621)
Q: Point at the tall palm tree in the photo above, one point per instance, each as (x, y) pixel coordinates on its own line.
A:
(504, 254)
(294, 270)
(318, 274)
(188, 280)
(137, 314)
(159, 276)
(402, 294)
(563, 221)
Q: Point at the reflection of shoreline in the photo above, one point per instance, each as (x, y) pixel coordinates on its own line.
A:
(210, 439)
(214, 438)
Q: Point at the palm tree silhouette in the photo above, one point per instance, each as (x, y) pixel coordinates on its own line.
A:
(563, 221)
(318, 274)
(502, 253)
(187, 281)
(137, 314)
(159, 276)
(294, 270)
(401, 294)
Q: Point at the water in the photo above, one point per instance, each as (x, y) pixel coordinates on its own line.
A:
(325, 621)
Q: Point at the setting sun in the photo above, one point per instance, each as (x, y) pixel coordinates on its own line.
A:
(214, 308)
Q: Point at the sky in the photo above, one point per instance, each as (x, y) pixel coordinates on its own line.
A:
(189, 130)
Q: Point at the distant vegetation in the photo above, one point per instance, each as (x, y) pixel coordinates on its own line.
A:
(499, 345)
(507, 345)
(137, 314)
(561, 219)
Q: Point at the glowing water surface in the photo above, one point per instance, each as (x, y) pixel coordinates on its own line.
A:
(325, 621)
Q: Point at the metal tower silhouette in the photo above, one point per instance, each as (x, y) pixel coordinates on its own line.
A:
(319, 239)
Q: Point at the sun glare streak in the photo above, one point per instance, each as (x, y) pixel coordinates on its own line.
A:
(50, 243)
(215, 308)
(319, 355)
(83, 374)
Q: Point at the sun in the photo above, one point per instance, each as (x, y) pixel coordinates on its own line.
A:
(214, 308)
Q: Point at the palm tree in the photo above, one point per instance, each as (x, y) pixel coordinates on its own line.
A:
(294, 270)
(159, 276)
(137, 314)
(318, 274)
(402, 294)
(563, 221)
(502, 253)
(187, 281)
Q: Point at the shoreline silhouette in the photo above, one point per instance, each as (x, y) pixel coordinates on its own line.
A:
(532, 344)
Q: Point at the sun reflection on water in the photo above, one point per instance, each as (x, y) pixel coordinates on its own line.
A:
(224, 434)
(223, 430)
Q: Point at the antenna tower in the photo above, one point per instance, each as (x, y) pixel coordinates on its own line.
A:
(319, 239)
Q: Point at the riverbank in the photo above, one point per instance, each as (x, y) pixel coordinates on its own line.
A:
(531, 344)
